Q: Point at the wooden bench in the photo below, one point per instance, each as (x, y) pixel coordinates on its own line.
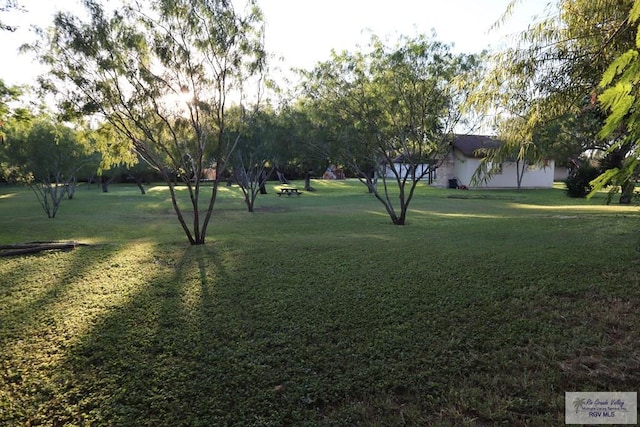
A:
(288, 191)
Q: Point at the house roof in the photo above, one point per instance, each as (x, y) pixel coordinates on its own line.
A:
(473, 145)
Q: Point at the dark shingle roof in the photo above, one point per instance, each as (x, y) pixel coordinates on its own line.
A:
(472, 145)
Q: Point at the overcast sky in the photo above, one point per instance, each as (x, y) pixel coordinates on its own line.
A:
(303, 32)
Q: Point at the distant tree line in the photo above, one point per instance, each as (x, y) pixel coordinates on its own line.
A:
(178, 91)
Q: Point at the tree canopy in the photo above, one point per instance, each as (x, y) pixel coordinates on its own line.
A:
(620, 99)
(6, 6)
(544, 91)
(161, 75)
(47, 156)
(394, 101)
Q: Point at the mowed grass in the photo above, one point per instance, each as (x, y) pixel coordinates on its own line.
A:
(314, 310)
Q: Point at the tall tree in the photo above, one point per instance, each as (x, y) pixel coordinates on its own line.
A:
(162, 75)
(518, 149)
(393, 102)
(11, 118)
(254, 155)
(548, 83)
(117, 158)
(620, 99)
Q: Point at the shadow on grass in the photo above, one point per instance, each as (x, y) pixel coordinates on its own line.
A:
(158, 359)
(206, 341)
(207, 346)
(48, 308)
(35, 311)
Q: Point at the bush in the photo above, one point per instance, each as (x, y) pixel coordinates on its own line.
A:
(578, 182)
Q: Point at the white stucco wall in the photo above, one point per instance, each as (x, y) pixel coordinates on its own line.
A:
(561, 173)
(403, 168)
(534, 177)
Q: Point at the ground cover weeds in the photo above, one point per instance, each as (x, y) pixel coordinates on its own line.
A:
(315, 310)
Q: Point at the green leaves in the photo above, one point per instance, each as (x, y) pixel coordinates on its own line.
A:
(634, 13)
(622, 64)
(394, 101)
(618, 100)
(160, 74)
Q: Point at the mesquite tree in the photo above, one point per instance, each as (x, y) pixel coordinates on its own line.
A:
(162, 74)
(544, 92)
(621, 101)
(254, 158)
(47, 156)
(392, 102)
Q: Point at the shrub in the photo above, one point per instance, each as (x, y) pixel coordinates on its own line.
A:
(578, 182)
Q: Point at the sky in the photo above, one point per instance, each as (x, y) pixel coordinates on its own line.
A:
(299, 33)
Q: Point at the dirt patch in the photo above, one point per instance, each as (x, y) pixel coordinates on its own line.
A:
(615, 358)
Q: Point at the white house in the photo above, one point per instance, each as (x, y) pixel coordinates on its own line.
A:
(465, 156)
(402, 168)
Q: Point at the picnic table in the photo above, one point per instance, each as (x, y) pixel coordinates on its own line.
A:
(288, 191)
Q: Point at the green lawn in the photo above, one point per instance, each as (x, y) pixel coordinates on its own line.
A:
(314, 310)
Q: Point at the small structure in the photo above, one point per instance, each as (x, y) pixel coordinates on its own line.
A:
(465, 156)
(333, 172)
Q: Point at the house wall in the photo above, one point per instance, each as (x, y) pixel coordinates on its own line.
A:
(561, 173)
(445, 172)
(534, 177)
(402, 169)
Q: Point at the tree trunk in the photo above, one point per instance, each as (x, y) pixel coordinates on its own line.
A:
(307, 182)
(34, 247)
(263, 182)
(370, 176)
(71, 187)
(139, 180)
(520, 174)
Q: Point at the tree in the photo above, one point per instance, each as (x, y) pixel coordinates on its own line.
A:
(6, 6)
(140, 173)
(400, 101)
(8, 95)
(47, 156)
(162, 77)
(10, 118)
(547, 85)
(620, 99)
(117, 158)
(296, 140)
(572, 136)
(519, 147)
(253, 156)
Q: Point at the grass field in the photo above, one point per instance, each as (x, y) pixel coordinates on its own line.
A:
(314, 310)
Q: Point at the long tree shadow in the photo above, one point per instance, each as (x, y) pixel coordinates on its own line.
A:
(150, 361)
(189, 349)
(51, 286)
(209, 341)
(46, 313)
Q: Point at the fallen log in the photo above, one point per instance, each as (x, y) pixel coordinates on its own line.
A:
(34, 247)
